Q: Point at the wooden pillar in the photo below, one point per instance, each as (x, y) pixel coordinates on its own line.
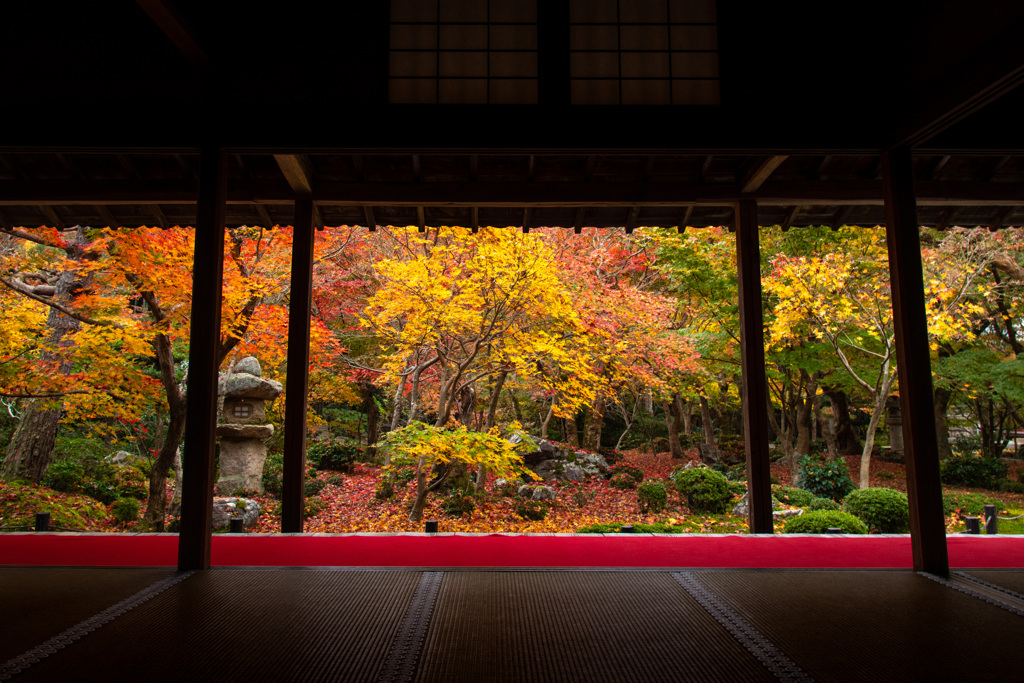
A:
(755, 388)
(204, 342)
(920, 445)
(297, 389)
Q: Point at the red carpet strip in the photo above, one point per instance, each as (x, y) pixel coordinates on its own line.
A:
(279, 550)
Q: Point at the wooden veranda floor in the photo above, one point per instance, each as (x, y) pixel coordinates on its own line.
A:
(509, 625)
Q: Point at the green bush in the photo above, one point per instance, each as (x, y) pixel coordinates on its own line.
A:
(131, 482)
(883, 510)
(508, 489)
(822, 504)
(705, 490)
(615, 527)
(314, 486)
(458, 504)
(1009, 486)
(314, 506)
(824, 478)
(622, 472)
(20, 501)
(820, 521)
(534, 510)
(787, 495)
(969, 470)
(273, 476)
(67, 476)
(737, 488)
(336, 480)
(125, 510)
(336, 456)
(652, 496)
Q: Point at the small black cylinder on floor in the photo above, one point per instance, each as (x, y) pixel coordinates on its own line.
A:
(235, 526)
(42, 521)
(991, 520)
(626, 529)
(973, 525)
(834, 530)
(431, 527)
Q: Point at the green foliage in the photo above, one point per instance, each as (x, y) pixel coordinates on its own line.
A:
(508, 489)
(125, 510)
(336, 456)
(273, 476)
(19, 503)
(883, 510)
(970, 470)
(96, 478)
(313, 487)
(794, 497)
(458, 504)
(1009, 486)
(820, 521)
(336, 480)
(966, 445)
(966, 504)
(824, 478)
(314, 506)
(655, 528)
(652, 496)
(822, 504)
(66, 476)
(737, 488)
(533, 510)
(705, 489)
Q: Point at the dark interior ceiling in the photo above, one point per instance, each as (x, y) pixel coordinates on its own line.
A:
(107, 104)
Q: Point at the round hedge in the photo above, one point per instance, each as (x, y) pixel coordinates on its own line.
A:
(823, 504)
(820, 521)
(705, 489)
(883, 510)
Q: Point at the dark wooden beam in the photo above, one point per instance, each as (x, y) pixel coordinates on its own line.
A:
(757, 171)
(684, 220)
(106, 216)
(474, 221)
(265, 216)
(421, 218)
(169, 20)
(527, 218)
(293, 500)
(755, 385)
(634, 212)
(298, 172)
(969, 85)
(53, 216)
(791, 214)
(920, 444)
(371, 221)
(204, 343)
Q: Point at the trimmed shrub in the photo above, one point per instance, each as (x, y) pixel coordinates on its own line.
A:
(1009, 486)
(336, 480)
(883, 510)
(824, 478)
(822, 504)
(737, 488)
(67, 476)
(969, 470)
(705, 489)
(651, 496)
(385, 489)
(787, 495)
(314, 506)
(125, 510)
(458, 504)
(533, 510)
(131, 482)
(273, 476)
(820, 521)
(656, 528)
(314, 486)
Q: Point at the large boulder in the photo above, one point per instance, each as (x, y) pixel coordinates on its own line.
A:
(559, 470)
(536, 492)
(226, 509)
(244, 385)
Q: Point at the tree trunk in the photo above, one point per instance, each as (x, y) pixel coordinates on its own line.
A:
(156, 505)
(372, 411)
(687, 421)
(942, 399)
(569, 428)
(825, 428)
(869, 440)
(846, 437)
(416, 513)
(804, 413)
(672, 422)
(492, 412)
(547, 420)
(705, 417)
(31, 446)
(592, 424)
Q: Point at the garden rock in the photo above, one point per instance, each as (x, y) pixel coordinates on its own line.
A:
(120, 458)
(226, 509)
(536, 492)
(742, 509)
(782, 514)
(560, 470)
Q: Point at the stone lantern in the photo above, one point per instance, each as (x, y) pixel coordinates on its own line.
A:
(243, 432)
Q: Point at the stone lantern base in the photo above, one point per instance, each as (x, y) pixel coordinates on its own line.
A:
(242, 454)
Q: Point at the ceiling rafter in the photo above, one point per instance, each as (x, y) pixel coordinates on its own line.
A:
(757, 171)
(170, 22)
